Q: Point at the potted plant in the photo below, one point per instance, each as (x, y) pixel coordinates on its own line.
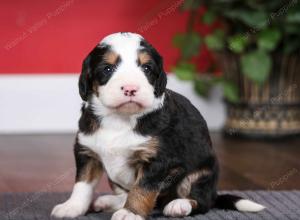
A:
(256, 44)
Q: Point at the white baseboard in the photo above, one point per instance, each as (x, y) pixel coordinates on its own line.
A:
(51, 104)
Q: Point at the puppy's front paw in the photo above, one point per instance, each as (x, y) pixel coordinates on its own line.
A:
(109, 202)
(178, 208)
(124, 214)
(69, 209)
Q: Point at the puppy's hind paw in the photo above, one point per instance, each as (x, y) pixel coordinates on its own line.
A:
(109, 202)
(124, 214)
(178, 208)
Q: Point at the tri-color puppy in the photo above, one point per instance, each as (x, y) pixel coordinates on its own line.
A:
(153, 143)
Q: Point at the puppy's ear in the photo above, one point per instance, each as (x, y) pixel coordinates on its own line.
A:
(88, 65)
(161, 81)
(85, 78)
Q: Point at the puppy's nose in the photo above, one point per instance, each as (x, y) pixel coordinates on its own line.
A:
(130, 90)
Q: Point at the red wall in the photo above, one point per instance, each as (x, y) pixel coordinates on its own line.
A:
(53, 36)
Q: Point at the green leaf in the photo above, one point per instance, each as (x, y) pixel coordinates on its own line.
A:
(263, 5)
(256, 66)
(191, 4)
(237, 43)
(215, 41)
(208, 17)
(178, 40)
(254, 19)
(231, 91)
(268, 39)
(293, 15)
(202, 87)
(294, 18)
(185, 71)
(188, 43)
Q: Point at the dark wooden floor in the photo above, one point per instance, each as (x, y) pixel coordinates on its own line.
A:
(45, 163)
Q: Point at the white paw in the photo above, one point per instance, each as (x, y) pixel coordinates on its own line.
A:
(124, 214)
(69, 209)
(178, 208)
(109, 202)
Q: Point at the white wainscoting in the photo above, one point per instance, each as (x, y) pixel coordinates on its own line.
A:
(50, 103)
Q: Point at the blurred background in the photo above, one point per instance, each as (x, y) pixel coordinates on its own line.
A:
(237, 61)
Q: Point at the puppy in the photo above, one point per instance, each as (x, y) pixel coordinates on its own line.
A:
(153, 143)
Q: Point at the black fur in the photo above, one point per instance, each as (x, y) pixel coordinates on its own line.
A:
(227, 201)
(185, 145)
(88, 121)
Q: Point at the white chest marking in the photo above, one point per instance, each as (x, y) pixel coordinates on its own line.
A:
(114, 142)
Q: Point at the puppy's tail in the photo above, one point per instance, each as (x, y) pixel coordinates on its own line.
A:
(233, 202)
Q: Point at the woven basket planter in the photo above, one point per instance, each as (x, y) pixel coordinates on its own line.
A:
(271, 110)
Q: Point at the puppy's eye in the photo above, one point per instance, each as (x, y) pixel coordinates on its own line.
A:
(108, 69)
(146, 68)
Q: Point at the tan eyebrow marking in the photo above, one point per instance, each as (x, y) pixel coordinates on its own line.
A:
(144, 57)
(110, 57)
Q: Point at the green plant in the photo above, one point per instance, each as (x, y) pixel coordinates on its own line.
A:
(252, 29)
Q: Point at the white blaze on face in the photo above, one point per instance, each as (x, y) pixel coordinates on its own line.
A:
(128, 73)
